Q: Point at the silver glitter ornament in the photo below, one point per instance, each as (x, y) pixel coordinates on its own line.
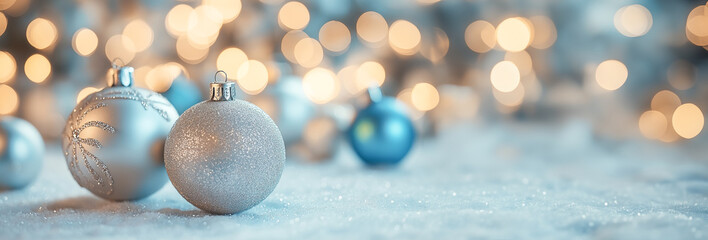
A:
(114, 139)
(21, 153)
(224, 155)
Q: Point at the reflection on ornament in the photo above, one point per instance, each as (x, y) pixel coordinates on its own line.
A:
(224, 155)
(21, 153)
(110, 123)
(382, 133)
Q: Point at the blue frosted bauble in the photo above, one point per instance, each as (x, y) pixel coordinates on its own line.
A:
(183, 94)
(21, 153)
(292, 109)
(382, 133)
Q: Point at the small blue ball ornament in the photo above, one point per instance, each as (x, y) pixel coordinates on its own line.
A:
(21, 153)
(382, 133)
(183, 94)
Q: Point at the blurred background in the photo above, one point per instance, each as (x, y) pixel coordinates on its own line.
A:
(625, 70)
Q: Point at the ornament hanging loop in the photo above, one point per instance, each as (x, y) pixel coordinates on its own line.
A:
(122, 75)
(115, 61)
(375, 94)
(216, 76)
(222, 91)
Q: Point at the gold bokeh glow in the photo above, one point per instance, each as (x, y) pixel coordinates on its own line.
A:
(37, 68)
(611, 74)
(41, 33)
(84, 42)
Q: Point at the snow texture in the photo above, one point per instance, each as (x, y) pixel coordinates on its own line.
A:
(470, 182)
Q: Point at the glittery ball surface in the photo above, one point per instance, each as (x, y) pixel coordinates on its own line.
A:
(224, 157)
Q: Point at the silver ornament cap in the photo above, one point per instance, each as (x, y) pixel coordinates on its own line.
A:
(224, 155)
(122, 75)
(113, 140)
(222, 91)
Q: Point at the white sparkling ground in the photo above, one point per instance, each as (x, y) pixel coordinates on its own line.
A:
(467, 183)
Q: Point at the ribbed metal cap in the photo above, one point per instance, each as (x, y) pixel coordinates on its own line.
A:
(122, 75)
(222, 91)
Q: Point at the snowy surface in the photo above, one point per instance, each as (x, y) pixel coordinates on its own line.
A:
(470, 182)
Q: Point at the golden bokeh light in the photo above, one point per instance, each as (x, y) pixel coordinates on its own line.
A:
(665, 102)
(140, 76)
(653, 124)
(545, 33)
(9, 66)
(37, 68)
(513, 34)
(633, 20)
(287, 45)
(347, 76)
(230, 60)
(320, 85)
(424, 97)
(522, 60)
(160, 78)
(293, 15)
(3, 23)
(368, 73)
(505, 76)
(203, 26)
(513, 98)
(252, 77)
(85, 92)
(480, 36)
(688, 120)
(229, 9)
(84, 42)
(335, 36)
(273, 72)
(405, 97)
(6, 4)
(308, 52)
(140, 33)
(177, 20)
(9, 100)
(611, 74)
(404, 37)
(120, 47)
(696, 29)
(436, 50)
(371, 27)
(41, 33)
(189, 53)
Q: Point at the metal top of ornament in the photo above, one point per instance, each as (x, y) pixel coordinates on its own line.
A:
(122, 75)
(222, 91)
(375, 94)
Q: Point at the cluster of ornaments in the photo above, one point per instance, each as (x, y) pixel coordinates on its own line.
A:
(223, 155)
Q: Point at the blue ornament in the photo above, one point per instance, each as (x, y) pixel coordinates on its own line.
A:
(382, 133)
(21, 153)
(293, 110)
(183, 94)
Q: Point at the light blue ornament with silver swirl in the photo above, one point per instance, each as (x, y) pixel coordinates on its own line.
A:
(382, 133)
(21, 152)
(113, 140)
